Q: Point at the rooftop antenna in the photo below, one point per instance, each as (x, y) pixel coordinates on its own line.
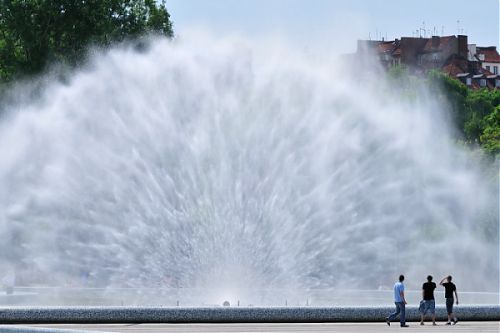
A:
(458, 26)
(423, 27)
(434, 33)
(442, 30)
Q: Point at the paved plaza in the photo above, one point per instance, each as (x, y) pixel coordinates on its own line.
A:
(488, 326)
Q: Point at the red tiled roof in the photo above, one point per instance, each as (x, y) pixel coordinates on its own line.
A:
(490, 53)
(442, 42)
(454, 66)
(485, 71)
(385, 47)
(476, 82)
(453, 69)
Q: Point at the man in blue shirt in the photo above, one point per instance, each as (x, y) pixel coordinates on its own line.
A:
(399, 300)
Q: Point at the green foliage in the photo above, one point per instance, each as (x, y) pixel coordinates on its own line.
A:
(481, 104)
(34, 33)
(475, 112)
(404, 82)
(490, 138)
(454, 92)
(398, 72)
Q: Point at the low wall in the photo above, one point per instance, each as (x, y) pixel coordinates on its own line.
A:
(26, 329)
(81, 315)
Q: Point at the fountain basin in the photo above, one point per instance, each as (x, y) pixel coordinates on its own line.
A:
(37, 315)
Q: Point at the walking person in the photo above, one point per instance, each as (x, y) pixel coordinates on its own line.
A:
(400, 301)
(428, 302)
(449, 289)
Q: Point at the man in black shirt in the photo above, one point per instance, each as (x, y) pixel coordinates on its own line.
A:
(449, 288)
(428, 303)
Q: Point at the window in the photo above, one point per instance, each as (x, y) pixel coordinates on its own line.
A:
(468, 81)
(482, 82)
(497, 83)
(495, 69)
(488, 68)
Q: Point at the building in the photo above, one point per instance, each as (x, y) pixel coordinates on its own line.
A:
(477, 67)
(489, 58)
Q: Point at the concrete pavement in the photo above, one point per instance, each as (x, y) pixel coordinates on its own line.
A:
(469, 326)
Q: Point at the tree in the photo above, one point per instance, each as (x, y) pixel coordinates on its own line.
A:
(34, 33)
(455, 93)
(475, 112)
(481, 104)
(490, 139)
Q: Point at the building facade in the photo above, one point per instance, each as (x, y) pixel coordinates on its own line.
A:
(477, 67)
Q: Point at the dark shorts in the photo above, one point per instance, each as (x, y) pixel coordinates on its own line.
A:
(449, 305)
(427, 306)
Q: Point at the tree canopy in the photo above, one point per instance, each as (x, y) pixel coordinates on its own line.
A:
(34, 33)
(475, 112)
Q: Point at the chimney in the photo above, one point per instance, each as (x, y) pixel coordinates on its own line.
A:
(462, 46)
(472, 52)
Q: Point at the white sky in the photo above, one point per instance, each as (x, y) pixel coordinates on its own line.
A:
(338, 23)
